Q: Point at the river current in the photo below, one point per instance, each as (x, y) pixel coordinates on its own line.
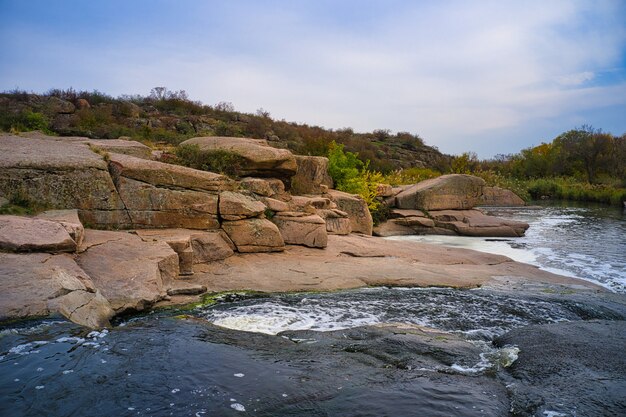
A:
(302, 354)
(586, 241)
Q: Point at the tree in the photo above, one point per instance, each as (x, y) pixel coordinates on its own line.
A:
(589, 148)
(466, 163)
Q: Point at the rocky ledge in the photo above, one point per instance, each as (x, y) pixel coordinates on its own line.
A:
(172, 232)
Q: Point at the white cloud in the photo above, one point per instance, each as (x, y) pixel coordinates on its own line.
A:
(447, 70)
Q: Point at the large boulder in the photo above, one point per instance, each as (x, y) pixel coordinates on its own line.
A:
(60, 174)
(500, 197)
(260, 159)
(168, 176)
(302, 229)
(205, 246)
(266, 187)
(131, 274)
(448, 192)
(476, 223)
(356, 208)
(236, 206)
(167, 196)
(312, 175)
(337, 221)
(254, 235)
(39, 284)
(25, 234)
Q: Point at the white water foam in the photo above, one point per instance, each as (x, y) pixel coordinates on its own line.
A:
(490, 245)
(273, 318)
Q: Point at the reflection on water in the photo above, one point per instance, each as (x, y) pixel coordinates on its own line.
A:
(585, 241)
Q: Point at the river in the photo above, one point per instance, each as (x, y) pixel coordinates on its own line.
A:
(329, 354)
(581, 240)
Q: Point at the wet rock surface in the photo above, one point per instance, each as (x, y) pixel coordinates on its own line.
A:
(379, 369)
(573, 368)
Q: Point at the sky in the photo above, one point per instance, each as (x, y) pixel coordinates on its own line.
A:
(492, 77)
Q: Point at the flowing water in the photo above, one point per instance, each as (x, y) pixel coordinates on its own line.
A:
(304, 354)
(585, 240)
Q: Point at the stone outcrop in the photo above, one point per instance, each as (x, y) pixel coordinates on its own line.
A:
(211, 246)
(156, 194)
(275, 205)
(192, 246)
(236, 206)
(337, 221)
(356, 208)
(500, 197)
(312, 176)
(260, 159)
(265, 187)
(39, 284)
(22, 234)
(132, 274)
(254, 235)
(449, 222)
(476, 223)
(60, 174)
(448, 192)
(299, 228)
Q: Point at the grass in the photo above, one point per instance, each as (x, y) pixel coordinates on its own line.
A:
(219, 161)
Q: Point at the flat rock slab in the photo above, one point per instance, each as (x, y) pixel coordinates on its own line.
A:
(39, 284)
(356, 261)
(126, 147)
(571, 368)
(69, 220)
(164, 175)
(131, 274)
(476, 223)
(27, 234)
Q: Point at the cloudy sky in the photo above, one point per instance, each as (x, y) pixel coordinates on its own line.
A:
(486, 76)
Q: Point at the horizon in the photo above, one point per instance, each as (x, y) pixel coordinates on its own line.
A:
(490, 77)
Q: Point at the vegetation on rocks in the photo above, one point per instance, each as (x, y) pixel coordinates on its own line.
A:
(220, 161)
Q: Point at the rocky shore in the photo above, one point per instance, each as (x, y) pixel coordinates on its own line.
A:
(185, 232)
(122, 232)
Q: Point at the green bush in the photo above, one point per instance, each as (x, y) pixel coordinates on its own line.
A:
(25, 121)
(410, 176)
(219, 161)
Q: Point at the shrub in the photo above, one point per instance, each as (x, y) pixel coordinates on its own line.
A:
(410, 176)
(219, 161)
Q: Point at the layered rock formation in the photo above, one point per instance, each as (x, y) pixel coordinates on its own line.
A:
(187, 222)
(260, 159)
(444, 205)
(312, 176)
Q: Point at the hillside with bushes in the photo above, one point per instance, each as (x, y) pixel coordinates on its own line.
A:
(584, 164)
(167, 117)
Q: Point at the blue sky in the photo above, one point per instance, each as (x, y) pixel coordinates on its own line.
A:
(485, 76)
